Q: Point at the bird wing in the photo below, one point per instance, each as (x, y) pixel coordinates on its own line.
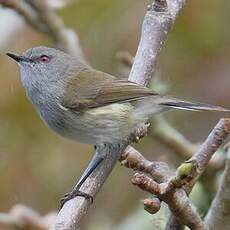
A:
(92, 89)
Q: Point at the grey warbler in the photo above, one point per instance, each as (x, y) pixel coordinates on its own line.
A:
(88, 105)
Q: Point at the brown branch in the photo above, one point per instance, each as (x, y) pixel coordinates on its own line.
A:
(161, 182)
(176, 200)
(218, 216)
(166, 134)
(210, 146)
(172, 188)
(205, 152)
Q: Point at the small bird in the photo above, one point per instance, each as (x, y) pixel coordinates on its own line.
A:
(88, 105)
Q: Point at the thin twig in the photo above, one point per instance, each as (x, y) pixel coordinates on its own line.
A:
(169, 136)
(21, 217)
(203, 155)
(218, 216)
(25, 10)
(209, 147)
(42, 17)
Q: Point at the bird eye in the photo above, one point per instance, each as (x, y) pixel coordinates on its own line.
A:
(44, 58)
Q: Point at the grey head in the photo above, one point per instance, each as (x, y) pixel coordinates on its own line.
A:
(44, 74)
(45, 65)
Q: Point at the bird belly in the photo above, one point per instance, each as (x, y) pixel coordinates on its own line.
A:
(107, 124)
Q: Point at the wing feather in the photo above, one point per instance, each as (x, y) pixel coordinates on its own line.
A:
(92, 89)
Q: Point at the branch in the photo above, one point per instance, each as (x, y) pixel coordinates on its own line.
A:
(164, 184)
(218, 216)
(172, 188)
(210, 146)
(157, 23)
(42, 17)
(169, 136)
(22, 217)
(205, 152)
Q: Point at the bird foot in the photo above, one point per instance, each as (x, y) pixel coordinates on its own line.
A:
(73, 194)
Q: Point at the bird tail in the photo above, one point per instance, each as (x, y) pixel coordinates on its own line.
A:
(187, 105)
(158, 104)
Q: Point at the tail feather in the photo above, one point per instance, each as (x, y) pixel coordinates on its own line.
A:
(195, 106)
(159, 104)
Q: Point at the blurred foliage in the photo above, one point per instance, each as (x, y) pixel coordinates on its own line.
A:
(37, 167)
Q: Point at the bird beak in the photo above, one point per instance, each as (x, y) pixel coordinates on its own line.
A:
(18, 58)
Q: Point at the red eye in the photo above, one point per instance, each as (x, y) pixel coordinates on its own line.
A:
(44, 59)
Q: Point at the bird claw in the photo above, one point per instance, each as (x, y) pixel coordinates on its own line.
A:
(73, 194)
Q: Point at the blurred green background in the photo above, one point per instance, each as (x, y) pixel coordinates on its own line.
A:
(37, 166)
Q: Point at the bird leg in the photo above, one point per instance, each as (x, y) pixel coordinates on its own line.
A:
(98, 157)
(96, 160)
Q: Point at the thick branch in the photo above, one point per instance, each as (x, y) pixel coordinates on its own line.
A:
(157, 23)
